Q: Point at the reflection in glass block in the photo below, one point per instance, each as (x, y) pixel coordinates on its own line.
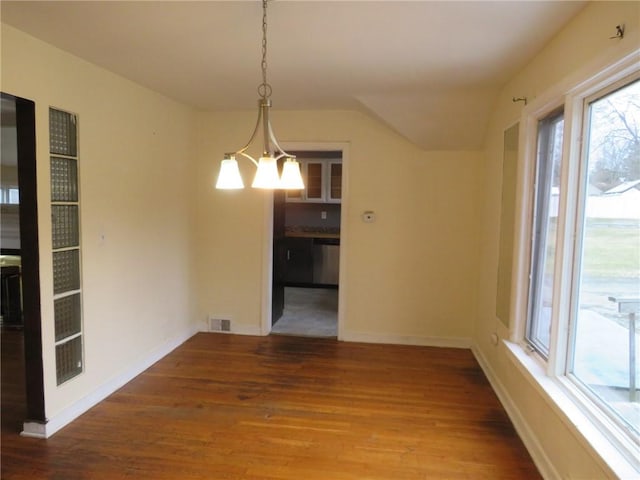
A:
(64, 180)
(62, 133)
(64, 226)
(68, 360)
(66, 271)
(67, 316)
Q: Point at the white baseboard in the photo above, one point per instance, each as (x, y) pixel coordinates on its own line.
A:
(66, 416)
(34, 430)
(247, 330)
(239, 330)
(531, 443)
(450, 342)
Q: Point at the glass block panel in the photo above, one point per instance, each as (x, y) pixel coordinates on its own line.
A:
(64, 226)
(67, 316)
(62, 133)
(64, 180)
(66, 271)
(68, 359)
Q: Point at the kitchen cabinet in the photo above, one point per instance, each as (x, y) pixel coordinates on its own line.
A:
(315, 186)
(310, 261)
(334, 181)
(323, 182)
(298, 260)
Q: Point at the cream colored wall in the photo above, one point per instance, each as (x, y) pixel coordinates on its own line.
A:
(135, 156)
(584, 42)
(409, 276)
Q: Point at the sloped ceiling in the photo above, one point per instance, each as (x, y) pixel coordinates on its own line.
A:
(430, 70)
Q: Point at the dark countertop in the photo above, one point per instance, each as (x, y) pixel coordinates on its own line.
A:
(300, 231)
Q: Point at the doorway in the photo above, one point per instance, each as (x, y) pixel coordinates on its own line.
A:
(22, 369)
(306, 249)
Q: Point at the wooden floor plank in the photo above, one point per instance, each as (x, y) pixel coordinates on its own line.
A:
(276, 408)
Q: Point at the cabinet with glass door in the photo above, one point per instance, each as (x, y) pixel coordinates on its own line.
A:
(323, 182)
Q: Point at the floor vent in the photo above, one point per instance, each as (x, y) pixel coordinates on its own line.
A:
(219, 325)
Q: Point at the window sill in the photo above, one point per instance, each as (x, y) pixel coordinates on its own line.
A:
(614, 452)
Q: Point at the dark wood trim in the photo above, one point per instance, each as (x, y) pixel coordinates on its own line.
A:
(278, 259)
(26, 130)
(318, 154)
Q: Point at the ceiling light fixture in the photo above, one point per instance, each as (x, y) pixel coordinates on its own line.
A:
(267, 175)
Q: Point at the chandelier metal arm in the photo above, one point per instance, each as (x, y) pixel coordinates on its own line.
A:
(248, 144)
(281, 151)
(263, 117)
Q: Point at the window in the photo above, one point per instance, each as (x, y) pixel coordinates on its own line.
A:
(548, 162)
(65, 237)
(607, 265)
(10, 195)
(583, 244)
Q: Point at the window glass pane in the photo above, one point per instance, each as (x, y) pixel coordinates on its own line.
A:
(14, 196)
(547, 193)
(605, 349)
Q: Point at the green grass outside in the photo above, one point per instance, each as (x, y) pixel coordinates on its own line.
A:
(611, 249)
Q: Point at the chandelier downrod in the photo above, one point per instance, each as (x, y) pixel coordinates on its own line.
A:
(267, 174)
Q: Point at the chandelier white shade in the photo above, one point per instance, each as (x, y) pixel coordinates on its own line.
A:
(229, 177)
(291, 178)
(267, 175)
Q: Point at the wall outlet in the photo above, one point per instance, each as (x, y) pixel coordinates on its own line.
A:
(219, 324)
(323, 215)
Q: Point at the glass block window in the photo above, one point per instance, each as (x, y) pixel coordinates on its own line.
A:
(64, 180)
(66, 271)
(67, 316)
(68, 359)
(64, 222)
(65, 241)
(62, 133)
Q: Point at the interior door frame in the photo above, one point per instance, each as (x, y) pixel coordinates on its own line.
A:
(267, 277)
(30, 257)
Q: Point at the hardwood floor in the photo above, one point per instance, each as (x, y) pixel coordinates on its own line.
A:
(280, 407)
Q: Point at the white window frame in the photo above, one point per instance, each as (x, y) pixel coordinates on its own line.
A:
(535, 218)
(600, 432)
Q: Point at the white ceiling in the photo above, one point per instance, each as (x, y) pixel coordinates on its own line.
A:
(430, 70)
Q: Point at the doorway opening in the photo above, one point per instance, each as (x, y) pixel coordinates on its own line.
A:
(22, 369)
(306, 249)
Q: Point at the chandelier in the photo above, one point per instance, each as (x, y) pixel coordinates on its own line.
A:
(267, 174)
